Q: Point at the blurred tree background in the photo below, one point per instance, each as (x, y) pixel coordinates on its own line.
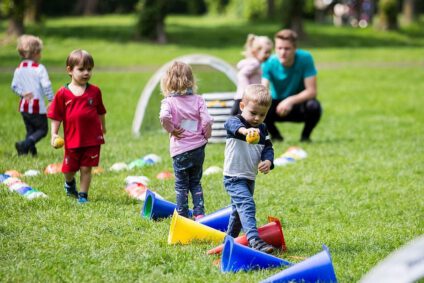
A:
(382, 14)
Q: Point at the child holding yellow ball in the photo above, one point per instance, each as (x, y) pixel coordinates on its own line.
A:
(244, 156)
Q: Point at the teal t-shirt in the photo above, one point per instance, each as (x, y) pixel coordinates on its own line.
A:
(284, 81)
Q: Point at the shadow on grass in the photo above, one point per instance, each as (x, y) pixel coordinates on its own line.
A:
(227, 35)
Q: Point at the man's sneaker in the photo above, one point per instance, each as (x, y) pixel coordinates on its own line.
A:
(82, 200)
(71, 190)
(260, 245)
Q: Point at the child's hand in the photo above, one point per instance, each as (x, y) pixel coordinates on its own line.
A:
(28, 96)
(54, 136)
(247, 132)
(177, 133)
(264, 166)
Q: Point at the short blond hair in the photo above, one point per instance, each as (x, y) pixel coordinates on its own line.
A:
(254, 43)
(29, 45)
(257, 93)
(178, 79)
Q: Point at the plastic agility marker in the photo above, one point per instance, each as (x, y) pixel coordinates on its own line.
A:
(218, 220)
(316, 268)
(272, 233)
(155, 208)
(184, 230)
(236, 257)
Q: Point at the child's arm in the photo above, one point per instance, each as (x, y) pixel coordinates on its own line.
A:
(267, 155)
(165, 117)
(103, 122)
(18, 89)
(55, 125)
(46, 83)
(205, 119)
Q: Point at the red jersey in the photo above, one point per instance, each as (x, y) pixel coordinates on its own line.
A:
(80, 116)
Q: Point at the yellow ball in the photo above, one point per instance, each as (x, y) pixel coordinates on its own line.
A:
(253, 137)
(58, 142)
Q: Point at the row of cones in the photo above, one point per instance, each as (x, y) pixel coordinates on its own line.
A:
(17, 185)
(236, 255)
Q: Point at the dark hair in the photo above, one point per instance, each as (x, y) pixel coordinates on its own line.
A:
(78, 57)
(287, 34)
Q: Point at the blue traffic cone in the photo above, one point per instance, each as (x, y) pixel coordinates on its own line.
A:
(3, 177)
(218, 219)
(236, 257)
(316, 268)
(155, 208)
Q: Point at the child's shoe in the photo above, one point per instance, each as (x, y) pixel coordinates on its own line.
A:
(82, 197)
(71, 189)
(197, 217)
(20, 148)
(261, 245)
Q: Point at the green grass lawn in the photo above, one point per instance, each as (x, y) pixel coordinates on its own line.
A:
(360, 191)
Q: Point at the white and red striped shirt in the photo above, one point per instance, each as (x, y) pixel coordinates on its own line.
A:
(31, 76)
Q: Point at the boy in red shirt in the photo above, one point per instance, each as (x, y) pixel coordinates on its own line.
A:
(80, 107)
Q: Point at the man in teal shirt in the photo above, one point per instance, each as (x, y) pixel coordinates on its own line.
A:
(291, 75)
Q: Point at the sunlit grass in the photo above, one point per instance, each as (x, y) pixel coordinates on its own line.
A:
(359, 191)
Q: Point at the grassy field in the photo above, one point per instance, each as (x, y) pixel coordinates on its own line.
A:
(360, 191)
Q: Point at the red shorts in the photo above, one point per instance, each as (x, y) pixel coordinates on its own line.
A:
(75, 158)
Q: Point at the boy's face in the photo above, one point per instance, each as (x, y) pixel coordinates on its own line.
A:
(253, 113)
(285, 51)
(80, 74)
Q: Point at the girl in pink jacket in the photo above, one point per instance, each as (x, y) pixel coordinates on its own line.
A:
(184, 116)
(257, 50)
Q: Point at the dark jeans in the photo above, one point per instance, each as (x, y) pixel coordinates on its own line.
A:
(188, 170)
(36, 126)
(308, 112)
(244, 209)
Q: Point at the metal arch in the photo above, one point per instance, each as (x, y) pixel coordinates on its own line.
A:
(194, 59)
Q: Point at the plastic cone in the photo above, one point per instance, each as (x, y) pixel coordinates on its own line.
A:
(316, 268)
(155, 208)
(218, 219)
(236, 257)
(184, 230)
(272, 233)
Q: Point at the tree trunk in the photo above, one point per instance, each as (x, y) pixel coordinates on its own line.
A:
(86, 7)
(33, 11)
(292, 16)
(270, 11)
(388, 12)
(409, 11)
(16, 18)
(151, 20)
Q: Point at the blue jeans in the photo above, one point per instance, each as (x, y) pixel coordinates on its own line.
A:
(188, 170)
(243, 216)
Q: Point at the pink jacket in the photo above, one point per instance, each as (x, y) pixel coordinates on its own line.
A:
(190, 113)
(249, 72)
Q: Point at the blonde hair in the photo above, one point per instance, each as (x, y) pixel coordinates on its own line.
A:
(254, 43)
(178, 79)
(257, 93)
(78, 57)
(29, 45)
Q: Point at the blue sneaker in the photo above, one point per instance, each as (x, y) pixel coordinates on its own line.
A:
(71, 190)
(82, 200)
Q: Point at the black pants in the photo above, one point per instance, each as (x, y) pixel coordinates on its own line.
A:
(236, 107)
(308, 112)
(36, 126)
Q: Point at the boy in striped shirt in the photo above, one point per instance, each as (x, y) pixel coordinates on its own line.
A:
(31, 83)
